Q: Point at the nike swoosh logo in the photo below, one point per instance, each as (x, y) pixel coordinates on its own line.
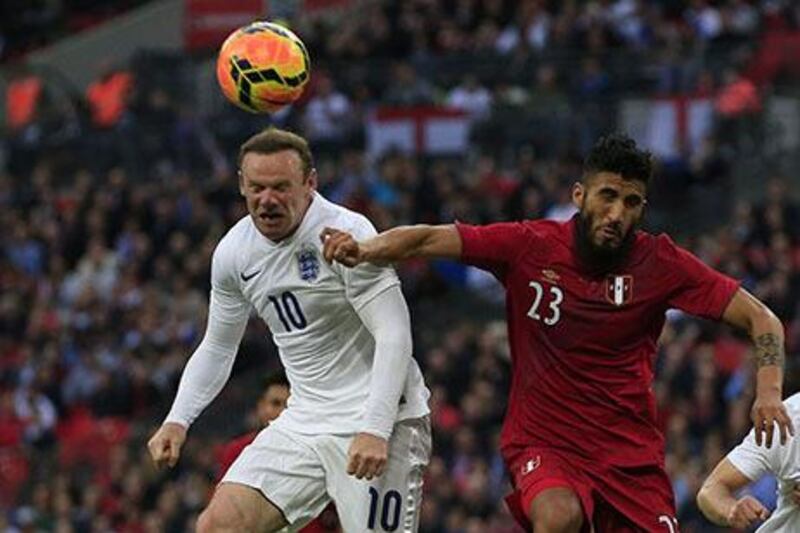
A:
(248, 277)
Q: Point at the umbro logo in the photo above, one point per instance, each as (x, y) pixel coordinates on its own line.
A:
(551, 275)
(248, 277)
(531, 465)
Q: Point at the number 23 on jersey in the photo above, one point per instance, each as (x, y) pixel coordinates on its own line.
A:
(546, 306)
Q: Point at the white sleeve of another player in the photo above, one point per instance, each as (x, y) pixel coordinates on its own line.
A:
(753, 460)
(209, 367)
(386, 317)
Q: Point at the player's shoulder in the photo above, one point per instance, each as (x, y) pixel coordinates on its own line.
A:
(545, 228)
(545, 225)
(340, 217)
(793, 404)
(550, 236)
(237, 235)
(235, 242)
(658, 245)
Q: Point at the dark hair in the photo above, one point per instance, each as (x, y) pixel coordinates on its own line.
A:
(272, 140)
(277, 378)
(618, 153)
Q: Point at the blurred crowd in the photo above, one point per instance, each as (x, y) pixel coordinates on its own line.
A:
(111, 220)
(420, 27)
(27, 25)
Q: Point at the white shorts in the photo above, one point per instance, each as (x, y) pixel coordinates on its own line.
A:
(300, 474)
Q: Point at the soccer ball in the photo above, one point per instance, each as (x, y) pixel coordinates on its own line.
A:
(262, 67)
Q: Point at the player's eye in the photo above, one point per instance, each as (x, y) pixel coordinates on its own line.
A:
(633, 201)
(608, 195)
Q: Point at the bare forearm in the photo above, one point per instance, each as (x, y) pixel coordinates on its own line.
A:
(406, 242)
(716, 502)
(767, 334)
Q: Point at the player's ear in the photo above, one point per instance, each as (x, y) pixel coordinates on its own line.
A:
(578, 194)
(311, 179)
(241, 181)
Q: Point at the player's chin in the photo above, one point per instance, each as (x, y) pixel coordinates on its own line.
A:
(274, 228)
(608, 244)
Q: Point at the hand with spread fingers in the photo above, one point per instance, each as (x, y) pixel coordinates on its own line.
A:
(341, 247)
(746, 512)
(795, 495)
(766, 412)
(165, 445)
(367, 456)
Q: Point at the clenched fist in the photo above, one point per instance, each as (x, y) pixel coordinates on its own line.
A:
(340, 246)
(746, 512)
(165, 445)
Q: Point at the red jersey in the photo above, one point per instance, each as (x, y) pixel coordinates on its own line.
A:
(228, 453)
(583, 346)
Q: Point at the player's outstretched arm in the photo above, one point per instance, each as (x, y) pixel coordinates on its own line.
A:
(396, 244)
(746, 312)
(718, 504)
(205, 374)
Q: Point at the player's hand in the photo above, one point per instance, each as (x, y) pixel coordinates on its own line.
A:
(768, 411)
(746, 512)
(340, 246)
(367, 456)
(796, 494)
(165, 445)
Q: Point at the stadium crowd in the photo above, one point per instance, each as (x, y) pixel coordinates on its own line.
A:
(110, 229)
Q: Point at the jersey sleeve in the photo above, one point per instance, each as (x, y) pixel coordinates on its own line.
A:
(226, 294)
(210, 365)
(753, 460)
(365, 281)
(492, 247)
(694, 287)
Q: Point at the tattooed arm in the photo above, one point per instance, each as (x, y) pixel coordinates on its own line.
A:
(748, 313)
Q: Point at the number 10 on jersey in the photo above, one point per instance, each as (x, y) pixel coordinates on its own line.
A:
(289, 311)
(388, 509)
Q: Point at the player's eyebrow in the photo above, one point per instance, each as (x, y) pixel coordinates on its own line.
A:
(608, 190)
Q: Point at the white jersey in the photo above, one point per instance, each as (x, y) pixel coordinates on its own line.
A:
(781, 460)
(310, 307)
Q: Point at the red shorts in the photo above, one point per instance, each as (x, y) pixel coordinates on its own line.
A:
(614, 499)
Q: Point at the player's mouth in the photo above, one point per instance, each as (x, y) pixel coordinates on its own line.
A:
(609, 233)
(270, 218)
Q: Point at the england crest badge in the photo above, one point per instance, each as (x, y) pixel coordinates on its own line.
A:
(308, 263)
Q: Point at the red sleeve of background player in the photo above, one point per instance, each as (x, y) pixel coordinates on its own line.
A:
(695, 287)
(228, 453)
(492, 247)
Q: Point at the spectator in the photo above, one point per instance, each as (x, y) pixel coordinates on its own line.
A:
(406, 88)
(472, 97)
(37, 414)
(327, 116)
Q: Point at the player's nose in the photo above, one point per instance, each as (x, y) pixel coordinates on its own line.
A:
(615, 212)
(267, 198)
